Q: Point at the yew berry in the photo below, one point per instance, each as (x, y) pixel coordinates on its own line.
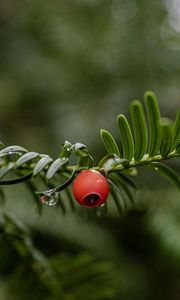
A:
(90, 188)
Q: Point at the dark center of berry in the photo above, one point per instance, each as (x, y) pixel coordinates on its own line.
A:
(91, 200)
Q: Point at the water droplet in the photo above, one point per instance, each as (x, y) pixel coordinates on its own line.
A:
(50, 198)
(156, 168)
(101, 210)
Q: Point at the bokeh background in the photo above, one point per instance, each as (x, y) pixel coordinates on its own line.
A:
(67, 68)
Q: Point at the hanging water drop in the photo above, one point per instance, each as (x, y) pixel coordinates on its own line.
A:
(50, 198)
(101, 211)
(156, 168)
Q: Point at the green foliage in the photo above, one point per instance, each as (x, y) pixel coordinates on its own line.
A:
(26, 158)
(109, 142)
(42, 164)
(162, 144)
(126, 137)
(167, 172)
(51, 277)
(166, 137)
(18, 237)
(66, 65)
(176, 132)
(155, 128)
(140, 129)
(55, 166)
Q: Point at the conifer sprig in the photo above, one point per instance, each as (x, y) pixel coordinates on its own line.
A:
(142, 145)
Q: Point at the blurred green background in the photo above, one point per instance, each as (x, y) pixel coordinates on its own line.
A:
(67, 68)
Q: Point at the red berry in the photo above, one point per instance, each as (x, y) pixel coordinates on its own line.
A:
(90, 188)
